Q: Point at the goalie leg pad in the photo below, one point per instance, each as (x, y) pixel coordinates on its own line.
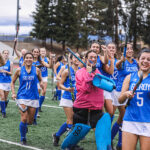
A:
(76, 134)
(103, 132)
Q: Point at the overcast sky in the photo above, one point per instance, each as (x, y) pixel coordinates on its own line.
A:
(8, 10)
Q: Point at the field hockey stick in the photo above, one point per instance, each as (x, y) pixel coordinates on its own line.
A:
(76, 56)
(126, 41)
(136, 86)
(70, 82)
(20, 107)
(17, 27)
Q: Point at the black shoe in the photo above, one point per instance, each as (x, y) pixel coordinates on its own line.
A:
(34, 122)
(76, 148)
(55, 139)
(3, 115)
(118, 147)
(40, 110)
(24, 142)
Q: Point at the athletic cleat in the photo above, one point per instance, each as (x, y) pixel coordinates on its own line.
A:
(118, 148)
(40, 110)
(76, 148)
(55, 139)
(23, 142)
(3, 115)
(34, 122)
(38, 115)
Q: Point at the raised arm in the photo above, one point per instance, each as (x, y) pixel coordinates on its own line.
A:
(2, 61)
(16, 75)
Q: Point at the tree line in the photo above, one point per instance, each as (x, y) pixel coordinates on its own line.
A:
(70, 22)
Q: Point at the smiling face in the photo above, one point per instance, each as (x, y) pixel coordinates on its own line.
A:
(111, 49)
(92, 59)
(129, 52)
(5, 54)
(75, 61)
(144, 62)
(23, 51)
(28, 59)
(95, 47)
(43, 52)
(36, 53)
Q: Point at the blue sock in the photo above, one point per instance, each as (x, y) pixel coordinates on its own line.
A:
(36, 112)
(3, 107)
(23, 130)
(120, 137)
(114, 130)
(69, 126)
(62, 129)
(59, 94)
(6, 103)
(41, 100)
(112, 118)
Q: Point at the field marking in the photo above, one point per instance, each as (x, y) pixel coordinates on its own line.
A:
(17, 144)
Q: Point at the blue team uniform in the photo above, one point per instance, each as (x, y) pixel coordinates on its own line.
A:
(139, 108)
(44, 70)
(67, 95)
(99, 64)
(21, 61)
(28, 85)
(4, 77)
(122, 73)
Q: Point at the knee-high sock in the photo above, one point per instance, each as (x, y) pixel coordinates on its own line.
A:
(36, 112)
(59, 94)
(3, 107)
(23, 130)
(120, 137)
(41, 100)
(112, 118)
(114, 130)
(62, 129)
(6, 103)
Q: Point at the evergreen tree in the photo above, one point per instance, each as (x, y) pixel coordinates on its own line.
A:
(41, 20)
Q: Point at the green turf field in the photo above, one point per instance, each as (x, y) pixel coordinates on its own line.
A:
(39, 136)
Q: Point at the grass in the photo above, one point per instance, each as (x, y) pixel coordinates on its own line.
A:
(39, 136)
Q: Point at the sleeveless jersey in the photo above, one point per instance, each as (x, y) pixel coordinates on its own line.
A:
(139, 108)
(21, 60)
(44, 70)
(4, 77)
(66, 94)
(122, 73)
(99, 64)
(59, 67)
(28, 84)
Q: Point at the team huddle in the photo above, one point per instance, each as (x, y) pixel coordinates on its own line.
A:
(83, 103)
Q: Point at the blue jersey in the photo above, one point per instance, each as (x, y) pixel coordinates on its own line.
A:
(44, 70)
(66, 94)
(122, 73)
(99, 64)
(4, 77)
(28, 89)
(21, 60)
(59, 67)
(36, 63)
(139, 108)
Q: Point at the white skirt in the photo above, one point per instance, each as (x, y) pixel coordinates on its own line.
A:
(108, 95)
(115, 100)
(30, 103)
(65, 103)
(44, 79)
(138, 128)
(5, 86)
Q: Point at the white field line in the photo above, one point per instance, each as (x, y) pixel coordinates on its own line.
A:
(17, 144)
